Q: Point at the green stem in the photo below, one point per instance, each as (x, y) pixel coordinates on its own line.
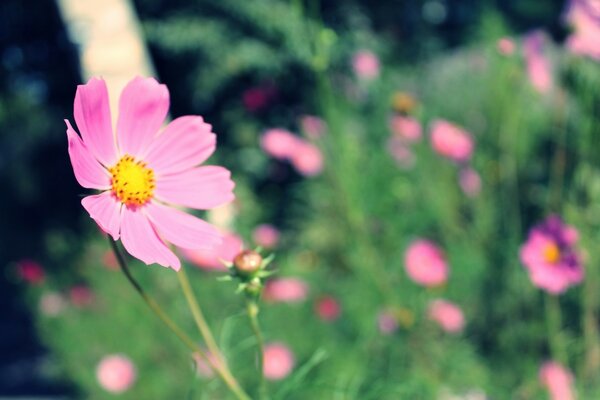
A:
(252, 310)
(554, 324)
(190, 343)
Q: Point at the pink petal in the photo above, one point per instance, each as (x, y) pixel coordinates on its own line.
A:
(182, 229)
(141, 241)
(143, 107)
(106, 211)
(185, 143)
(92, 114)
(202, 188)
(88, 171)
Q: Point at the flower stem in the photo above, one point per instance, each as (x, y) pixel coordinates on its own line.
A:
(554, 323)
(218, 366)
(252, 310)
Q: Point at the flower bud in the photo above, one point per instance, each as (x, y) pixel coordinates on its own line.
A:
(248, 262)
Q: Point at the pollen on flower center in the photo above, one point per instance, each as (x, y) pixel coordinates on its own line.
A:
(551, 253)
(132, 181)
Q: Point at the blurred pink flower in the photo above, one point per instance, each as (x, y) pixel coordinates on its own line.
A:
(204, 367)
(31, 272)
(212, 259)
(425, 263)
(451, 141)
(538, 65)
(307, 159)
(558, 380)
(145, 176)
(365, 64)
(506, 46)
(470, 182)
(400, 152)
(286, 290)
(584, 17)
(447, 315)
(110, 260)
(278, 361)
(550, 256)
(81, 296)
(116, 373)
(52, 304)
(279, 143)
(387, 322)
(406, 128)
(258, 98)
(266, 236)
(328, 308)
(313, 127)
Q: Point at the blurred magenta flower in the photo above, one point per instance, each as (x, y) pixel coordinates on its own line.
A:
(313, 127)
(31, 272)
(470, 181)
(365, 64)
(81, 296)
(387, 322)
(212, 259)
(451, 141)
(279, 143)
(52, 304)
(116, 373)
(144, 175)
(285, 290)
(447, 315)
(266, 236)
(258, 98)
(406, 128)
(278, 361)
(550, 256)
(328, 308)
(401, 152)
(558, 380)
(425, 263)
(538, 65)
(307, 159)
(506, 46)
(584, 17)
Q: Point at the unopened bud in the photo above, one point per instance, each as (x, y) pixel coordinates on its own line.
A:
(248, 262)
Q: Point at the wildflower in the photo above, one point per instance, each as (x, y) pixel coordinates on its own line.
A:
(538, 65)
(550, 256)
(51, 304)
(313, 127)
(214, 259)
(425, 263)
(279, 143)
(447, 315)
(469, 181)
(387, 322)
(31, 272)
(81, 296)
(400, 152)
(204, 368)
(407, 129)
(284, 145)
(584, 17)
(285, 290)
(558, 380)
(328, 308)
(451, 141)
(116, 373)
(307, 159)
(143, 173)
(247, 262)
(266, 236)
(506, 46)
(365, 64)
(278, 361)
(258, 98)
(109, 260)
(403, 102)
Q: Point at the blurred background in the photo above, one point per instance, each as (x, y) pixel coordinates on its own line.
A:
(336, 75)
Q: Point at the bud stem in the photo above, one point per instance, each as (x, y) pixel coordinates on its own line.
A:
(252, 309)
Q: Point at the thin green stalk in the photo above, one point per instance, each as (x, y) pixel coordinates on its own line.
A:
(222, 372)
(207, 335)
(554, 324)
(252, 310)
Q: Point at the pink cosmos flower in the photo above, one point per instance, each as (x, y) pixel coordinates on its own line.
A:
(447, 315)
(285, 290)
(204, 367)
(313, 127)
(558, 380)
(538, 65)
(278, 361)
(81, 296)
(279, 143)
(31, 272)
(365, 64)
(212, 259)
(550, 256)
(425, 263)
(400, 152)
(387, 322)
(406, 128)
(307, 159)
(328, 308)
(506, 46)
(266, 236)
(470, 182)
(584, 17)
(116, 373)
(143, 173)
(451, 141)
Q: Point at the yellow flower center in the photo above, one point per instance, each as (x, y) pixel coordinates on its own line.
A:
(132, 181)
(551, 253)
